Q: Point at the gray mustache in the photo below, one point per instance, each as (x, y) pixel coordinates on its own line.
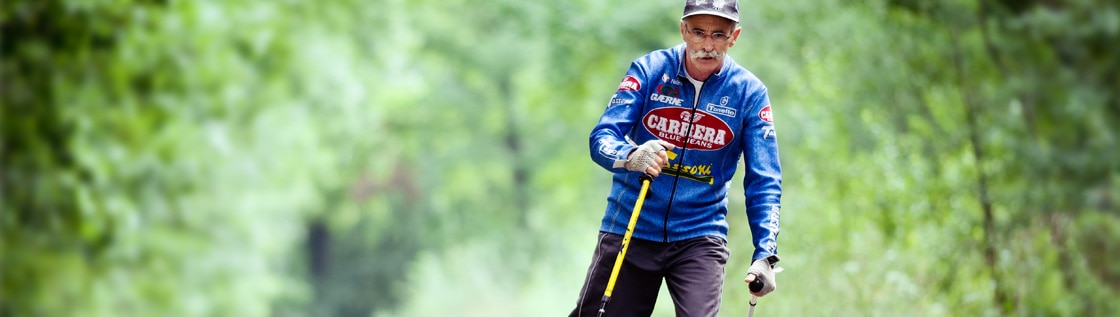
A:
(703, 54)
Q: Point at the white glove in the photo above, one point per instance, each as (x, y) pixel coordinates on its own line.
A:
(647, 155)
(762, 272)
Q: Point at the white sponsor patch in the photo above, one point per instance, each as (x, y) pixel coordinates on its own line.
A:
(721, 110)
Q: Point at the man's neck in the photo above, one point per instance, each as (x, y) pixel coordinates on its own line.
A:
(693, 72)
(696, 83)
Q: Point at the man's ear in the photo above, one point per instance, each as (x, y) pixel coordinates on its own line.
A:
(682, 31)
(735, 36)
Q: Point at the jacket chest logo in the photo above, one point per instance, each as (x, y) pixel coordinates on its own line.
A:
(701, 130)
(667, 94)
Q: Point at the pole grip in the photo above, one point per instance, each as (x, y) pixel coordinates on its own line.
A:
(646, 179)
(756, 285)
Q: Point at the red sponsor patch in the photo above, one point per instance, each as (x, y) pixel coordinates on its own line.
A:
(630, 83)
(672, 124)
(766, 115)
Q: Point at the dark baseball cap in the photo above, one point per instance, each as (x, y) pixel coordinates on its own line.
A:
(728, 9)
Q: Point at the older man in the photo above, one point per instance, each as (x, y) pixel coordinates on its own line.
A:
(696, 114)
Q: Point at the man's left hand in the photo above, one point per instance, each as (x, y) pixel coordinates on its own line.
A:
(762, 271)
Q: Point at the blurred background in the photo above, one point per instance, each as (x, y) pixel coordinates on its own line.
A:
(430, 158)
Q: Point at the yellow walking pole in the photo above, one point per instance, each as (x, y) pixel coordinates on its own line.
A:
(646, 179)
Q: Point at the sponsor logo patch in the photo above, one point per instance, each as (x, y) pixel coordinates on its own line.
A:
(721, 110)
(608, 149)
(666, 79)
(666, 99)
(668, 90)
(615, 101)
(699, 173)
(630, 83)
(672, 125)
(766, 115)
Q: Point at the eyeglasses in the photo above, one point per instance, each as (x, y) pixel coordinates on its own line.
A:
(718, 37)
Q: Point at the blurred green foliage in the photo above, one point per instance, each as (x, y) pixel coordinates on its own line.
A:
(429, 158)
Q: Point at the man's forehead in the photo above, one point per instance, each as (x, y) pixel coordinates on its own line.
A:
(709, 22)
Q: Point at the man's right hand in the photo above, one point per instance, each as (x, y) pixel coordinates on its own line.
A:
(649, 157)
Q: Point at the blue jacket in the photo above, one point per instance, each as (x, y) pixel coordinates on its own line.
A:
(731, 119)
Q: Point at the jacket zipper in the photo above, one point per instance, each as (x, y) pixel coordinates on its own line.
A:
(677, 176)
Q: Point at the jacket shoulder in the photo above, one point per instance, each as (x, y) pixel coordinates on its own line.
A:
(741, 76)
(663, 58)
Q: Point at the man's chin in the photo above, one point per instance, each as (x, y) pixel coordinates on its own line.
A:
(706, 63)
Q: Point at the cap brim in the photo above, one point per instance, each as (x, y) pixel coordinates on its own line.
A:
(712, 12)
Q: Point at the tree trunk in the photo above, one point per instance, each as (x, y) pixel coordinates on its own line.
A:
(1001, 298)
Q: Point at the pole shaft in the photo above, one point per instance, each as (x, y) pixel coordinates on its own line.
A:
(626, 238)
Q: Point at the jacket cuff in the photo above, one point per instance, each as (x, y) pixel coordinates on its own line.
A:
(621, 163)
(769, 257)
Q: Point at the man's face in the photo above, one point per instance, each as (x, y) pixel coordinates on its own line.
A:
(707, 38)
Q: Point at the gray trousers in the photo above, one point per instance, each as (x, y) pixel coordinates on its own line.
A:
(693, 270)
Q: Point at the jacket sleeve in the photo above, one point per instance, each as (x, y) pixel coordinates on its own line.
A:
(608, 141)
(762, 183)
